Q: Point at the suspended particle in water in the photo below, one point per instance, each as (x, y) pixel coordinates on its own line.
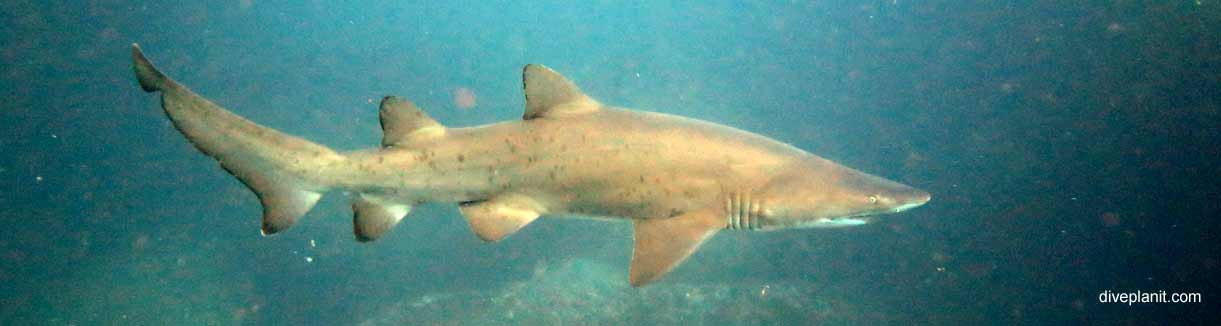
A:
(1110, 219)
(464, 98)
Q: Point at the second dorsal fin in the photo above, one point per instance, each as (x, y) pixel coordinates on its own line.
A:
(404, 123)
(548, 94)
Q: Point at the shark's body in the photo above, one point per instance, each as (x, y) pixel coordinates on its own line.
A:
(678, 179)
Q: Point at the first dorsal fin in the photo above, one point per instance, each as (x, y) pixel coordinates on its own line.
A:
(549, 94)
(404, 123)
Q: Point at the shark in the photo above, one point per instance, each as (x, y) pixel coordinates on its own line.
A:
(678, 180)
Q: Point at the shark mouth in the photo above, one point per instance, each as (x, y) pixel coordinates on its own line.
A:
(907, 206)
(840, 221)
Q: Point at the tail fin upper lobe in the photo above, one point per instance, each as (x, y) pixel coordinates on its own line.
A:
(288, 174)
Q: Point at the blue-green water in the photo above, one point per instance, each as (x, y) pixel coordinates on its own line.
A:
(1071, 147)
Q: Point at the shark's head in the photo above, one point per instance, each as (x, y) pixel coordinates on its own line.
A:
(816, 192)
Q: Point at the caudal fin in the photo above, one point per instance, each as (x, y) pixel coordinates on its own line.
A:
(288, 174)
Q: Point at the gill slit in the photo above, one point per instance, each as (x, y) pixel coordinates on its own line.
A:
(742, 211)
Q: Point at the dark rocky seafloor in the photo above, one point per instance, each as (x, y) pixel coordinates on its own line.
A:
(569, 293)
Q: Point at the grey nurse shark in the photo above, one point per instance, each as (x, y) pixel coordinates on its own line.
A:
(678, 180)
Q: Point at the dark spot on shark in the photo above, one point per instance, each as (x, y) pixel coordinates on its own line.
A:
(461, 158)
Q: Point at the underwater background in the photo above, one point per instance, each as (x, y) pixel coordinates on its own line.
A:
(1071, 148)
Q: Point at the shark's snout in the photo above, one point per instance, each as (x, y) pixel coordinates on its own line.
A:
(885, 196)
(911, 199)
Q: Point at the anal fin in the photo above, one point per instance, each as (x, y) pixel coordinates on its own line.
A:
(497, 218)
(282, 207)
(373, 217)
(663, 243)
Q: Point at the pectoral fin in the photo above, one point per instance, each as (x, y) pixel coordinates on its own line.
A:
(662, 244)
(497, 218)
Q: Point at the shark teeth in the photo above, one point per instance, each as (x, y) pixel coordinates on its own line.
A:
(848, 221)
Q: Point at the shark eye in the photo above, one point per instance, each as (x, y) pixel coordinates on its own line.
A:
(873, 199)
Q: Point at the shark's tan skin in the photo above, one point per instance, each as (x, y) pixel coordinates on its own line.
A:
(679, 180)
